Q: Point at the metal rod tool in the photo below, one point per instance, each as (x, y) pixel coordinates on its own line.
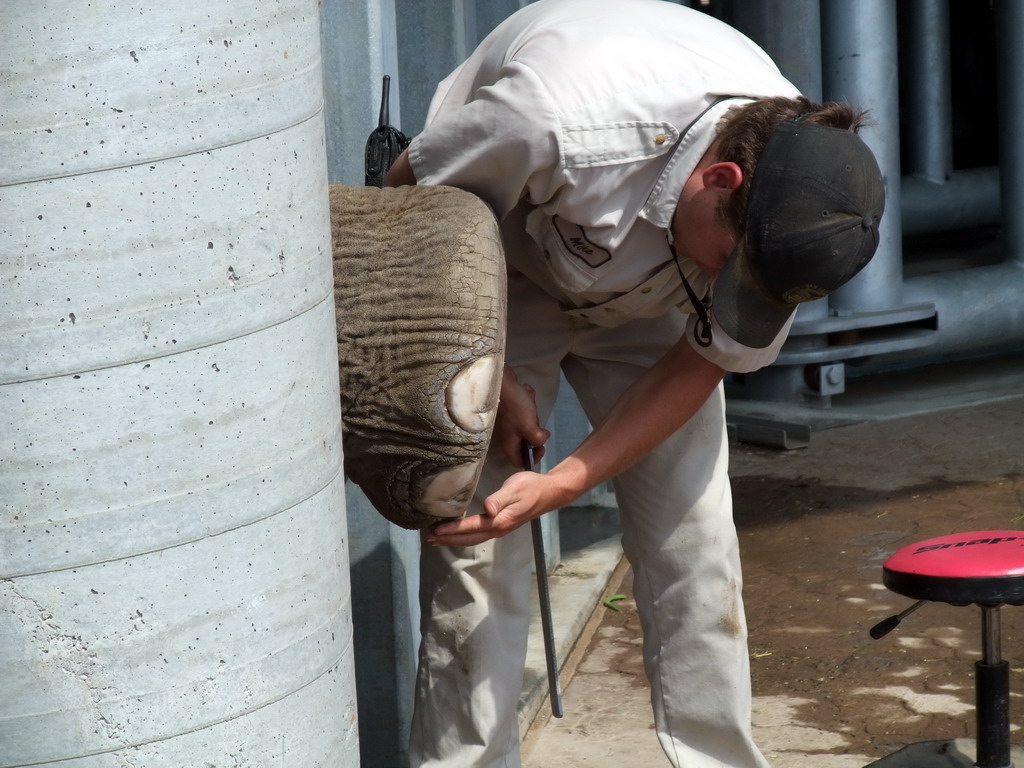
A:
(540, 561)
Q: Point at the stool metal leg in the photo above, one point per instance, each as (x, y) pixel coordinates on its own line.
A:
(992, 691)
(991, 649)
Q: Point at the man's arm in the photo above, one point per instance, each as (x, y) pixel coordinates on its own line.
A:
(656, 405)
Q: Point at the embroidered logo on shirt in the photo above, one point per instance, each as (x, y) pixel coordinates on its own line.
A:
(574, 238)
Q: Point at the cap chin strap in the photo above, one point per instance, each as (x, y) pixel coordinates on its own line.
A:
(702, 329)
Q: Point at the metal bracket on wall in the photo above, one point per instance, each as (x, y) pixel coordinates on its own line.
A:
(767, 432)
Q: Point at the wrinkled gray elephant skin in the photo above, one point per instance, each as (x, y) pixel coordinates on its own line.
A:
(419, 285)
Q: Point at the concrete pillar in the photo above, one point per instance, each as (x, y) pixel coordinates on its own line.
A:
(173, 563)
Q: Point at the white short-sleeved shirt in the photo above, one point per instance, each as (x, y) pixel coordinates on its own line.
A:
(578, 122)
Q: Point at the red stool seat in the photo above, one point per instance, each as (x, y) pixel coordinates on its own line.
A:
(984, 567)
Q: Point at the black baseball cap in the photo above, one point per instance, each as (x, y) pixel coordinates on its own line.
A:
(813, 210)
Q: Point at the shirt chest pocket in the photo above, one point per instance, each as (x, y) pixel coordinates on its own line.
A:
(588, 146)
(574, 257)
(609, 170)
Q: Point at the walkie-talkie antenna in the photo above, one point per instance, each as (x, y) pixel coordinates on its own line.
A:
(385, 99)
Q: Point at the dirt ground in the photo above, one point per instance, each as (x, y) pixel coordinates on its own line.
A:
(815, 527)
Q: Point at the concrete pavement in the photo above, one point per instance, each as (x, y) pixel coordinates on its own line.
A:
(896, 461)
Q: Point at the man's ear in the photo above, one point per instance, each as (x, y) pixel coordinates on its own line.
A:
(722, 177)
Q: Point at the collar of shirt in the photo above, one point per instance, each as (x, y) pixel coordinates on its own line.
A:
(698, 136)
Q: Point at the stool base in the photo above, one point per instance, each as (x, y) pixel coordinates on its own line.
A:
(959, 753)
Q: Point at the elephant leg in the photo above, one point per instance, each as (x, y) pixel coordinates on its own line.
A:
(420, 297)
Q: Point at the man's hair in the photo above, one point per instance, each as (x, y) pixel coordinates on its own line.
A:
(744, 131)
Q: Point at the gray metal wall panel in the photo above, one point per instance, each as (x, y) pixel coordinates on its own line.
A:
(435, 36)
(359, 41)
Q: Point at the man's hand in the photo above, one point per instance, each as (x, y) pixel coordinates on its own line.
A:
(517, 420)
(655, 406)
(524, 496)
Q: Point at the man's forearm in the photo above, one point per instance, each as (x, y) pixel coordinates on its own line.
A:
(653, 408)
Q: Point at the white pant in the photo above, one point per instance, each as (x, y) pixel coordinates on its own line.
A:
(679, 537)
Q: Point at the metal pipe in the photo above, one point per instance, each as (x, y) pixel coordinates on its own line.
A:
(934, 197)
(968, 198)
(1009, 18)
(980, 311)
(858, 51)
(795, 46)
(929, 110)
